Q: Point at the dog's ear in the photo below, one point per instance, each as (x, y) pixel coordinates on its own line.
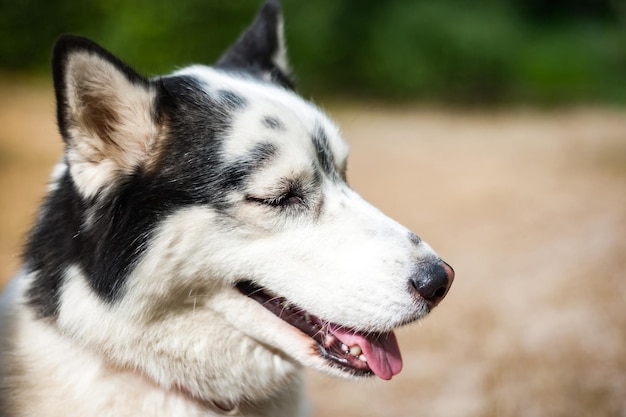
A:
(105, 112)
(261, 48)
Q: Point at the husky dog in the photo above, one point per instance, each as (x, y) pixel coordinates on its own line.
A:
(199, 245)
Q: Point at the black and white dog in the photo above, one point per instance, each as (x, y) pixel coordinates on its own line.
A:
(199, 244)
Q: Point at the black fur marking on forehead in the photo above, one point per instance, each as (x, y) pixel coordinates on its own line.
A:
(231, 99)
(234, 174)
(198, 126)
(273, 122)
(324, 153)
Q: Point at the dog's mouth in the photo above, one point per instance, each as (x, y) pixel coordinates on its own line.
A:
(359, 353)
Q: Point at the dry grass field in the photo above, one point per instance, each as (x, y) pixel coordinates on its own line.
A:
(529, 207)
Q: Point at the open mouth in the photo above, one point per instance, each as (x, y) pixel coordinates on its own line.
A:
(359, 353)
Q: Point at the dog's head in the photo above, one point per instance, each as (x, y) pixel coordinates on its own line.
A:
(218, 189)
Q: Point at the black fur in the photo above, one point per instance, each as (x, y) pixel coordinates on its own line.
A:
(231, 100)
(51, 245)
(193, 157)
(324, 154)
(272, 122)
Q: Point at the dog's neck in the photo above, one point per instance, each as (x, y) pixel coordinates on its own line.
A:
(52, 364)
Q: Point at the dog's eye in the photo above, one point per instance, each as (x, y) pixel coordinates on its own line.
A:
(290, 198)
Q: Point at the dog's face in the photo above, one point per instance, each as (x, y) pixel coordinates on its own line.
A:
(290, 227)
(219, 193)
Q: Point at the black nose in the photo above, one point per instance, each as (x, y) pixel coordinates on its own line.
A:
(432, 280)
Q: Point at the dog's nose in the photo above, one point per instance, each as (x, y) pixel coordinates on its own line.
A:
(432, 281)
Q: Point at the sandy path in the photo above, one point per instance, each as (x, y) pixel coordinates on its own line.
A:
(528, 207)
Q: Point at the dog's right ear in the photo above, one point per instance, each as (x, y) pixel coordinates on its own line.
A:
(261, 48)
(105, 112)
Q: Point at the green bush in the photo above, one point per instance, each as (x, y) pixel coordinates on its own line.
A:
(455, 51)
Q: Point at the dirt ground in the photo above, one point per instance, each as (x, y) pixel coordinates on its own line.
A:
(528, 206)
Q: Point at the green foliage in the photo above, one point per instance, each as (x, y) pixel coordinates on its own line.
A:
(459, 51)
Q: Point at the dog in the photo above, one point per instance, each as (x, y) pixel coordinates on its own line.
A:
(199, 246)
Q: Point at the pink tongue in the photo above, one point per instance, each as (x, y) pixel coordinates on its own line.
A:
(382, 351)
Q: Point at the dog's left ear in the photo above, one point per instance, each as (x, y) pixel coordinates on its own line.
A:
(105, 112)
(261, 48)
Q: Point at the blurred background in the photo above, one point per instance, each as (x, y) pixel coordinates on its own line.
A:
(455, 51)
(495, 129)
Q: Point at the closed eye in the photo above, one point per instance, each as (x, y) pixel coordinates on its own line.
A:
(290, 198)
(280, 201)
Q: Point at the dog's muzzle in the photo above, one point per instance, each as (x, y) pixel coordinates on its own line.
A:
(432, 280)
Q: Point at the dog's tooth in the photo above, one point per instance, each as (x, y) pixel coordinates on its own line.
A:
(307, 317)
(355, 350)
(362, 358)
(344, 348)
